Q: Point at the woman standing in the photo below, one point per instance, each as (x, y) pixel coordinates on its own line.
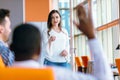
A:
(56, 42)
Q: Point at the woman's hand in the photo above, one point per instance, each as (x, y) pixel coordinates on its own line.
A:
(52, 38)
(64, 53)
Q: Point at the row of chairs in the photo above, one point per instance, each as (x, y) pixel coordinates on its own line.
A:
(82, 63)
(9, 73)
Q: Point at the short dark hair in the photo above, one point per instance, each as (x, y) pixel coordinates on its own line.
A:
(3, 14)
(26, 41)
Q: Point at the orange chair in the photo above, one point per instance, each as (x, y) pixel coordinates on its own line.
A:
(85, 60)
(78, 61)
(79, 64)
(1, 63)
(117, 61)
(26, 74)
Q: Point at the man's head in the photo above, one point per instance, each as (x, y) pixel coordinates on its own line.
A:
(26, 42)
(4, 24)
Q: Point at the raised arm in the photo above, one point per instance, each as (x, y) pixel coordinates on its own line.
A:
(101, 68)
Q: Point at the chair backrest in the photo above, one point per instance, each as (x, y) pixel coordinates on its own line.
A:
(2, 65)
(26, 74)
(117, 61)
(78, 61)
(85, 60)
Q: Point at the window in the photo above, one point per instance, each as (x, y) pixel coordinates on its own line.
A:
(65, 14)
(106, 21)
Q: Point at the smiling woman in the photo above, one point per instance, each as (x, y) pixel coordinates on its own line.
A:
(56, 42)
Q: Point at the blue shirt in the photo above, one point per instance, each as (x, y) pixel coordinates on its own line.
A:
(7, 55)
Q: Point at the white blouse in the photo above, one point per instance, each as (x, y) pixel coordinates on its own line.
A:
(61, 43)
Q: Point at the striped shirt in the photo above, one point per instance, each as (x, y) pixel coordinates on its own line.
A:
(7, 55)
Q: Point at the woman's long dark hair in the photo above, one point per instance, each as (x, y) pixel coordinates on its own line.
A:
(49, 21)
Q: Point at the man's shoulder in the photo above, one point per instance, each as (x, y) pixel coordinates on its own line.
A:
(4, 48)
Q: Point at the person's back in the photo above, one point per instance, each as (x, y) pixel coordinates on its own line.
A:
(26, 45)
(7, 55)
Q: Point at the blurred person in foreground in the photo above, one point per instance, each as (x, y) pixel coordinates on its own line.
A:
(27, 46)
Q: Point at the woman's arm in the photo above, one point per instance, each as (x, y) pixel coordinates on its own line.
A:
(46, 43)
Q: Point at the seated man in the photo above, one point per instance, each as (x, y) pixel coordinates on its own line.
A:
(26, 43)
(7, 55)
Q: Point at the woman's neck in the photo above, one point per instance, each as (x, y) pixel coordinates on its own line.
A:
(56, 28)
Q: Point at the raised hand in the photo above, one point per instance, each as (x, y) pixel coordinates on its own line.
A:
(85, 22)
